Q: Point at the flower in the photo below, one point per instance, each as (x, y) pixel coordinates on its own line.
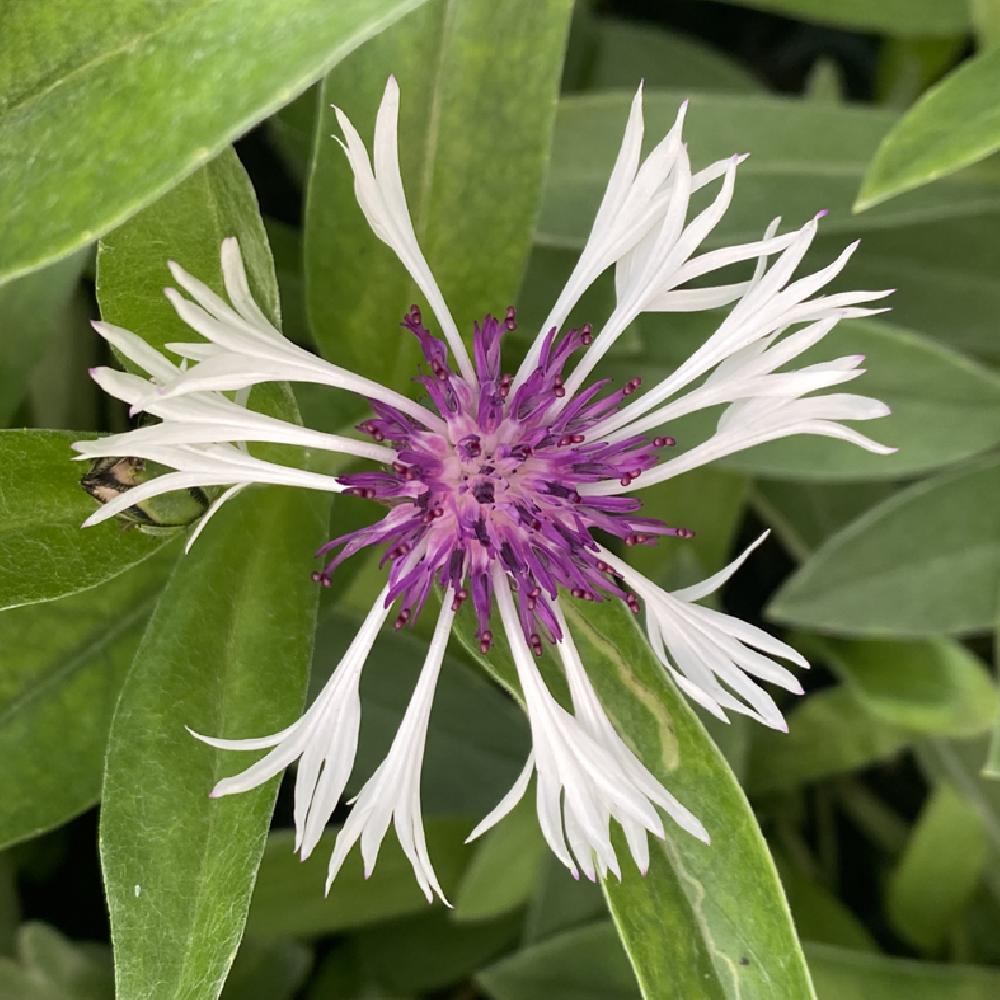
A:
(497, 488)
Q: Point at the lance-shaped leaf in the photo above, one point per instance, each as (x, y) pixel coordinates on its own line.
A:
(842, 974)
(731, 930)
(923, 562)
(164, 87)
(226, 652)
(956, 123)
(474, 136)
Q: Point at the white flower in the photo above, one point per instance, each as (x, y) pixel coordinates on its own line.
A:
(495, 488)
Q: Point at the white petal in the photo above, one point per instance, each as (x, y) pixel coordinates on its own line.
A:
(238, 288)
(507, 803)
(383, 202)
(394, 788)
(136, 350)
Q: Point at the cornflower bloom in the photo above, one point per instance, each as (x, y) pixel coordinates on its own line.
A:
(500, 484)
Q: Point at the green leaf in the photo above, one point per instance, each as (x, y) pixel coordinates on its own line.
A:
(944, 407)
(31, 310)
(474, 136)
(819, 914)
(188, 224)
(583, 964)
(959, 763)
(164, 87)
(472, 720)
(829, 733)
(935, 687)
(626, 53)
(986, 20)
(946, 273)
(288, 900)
(44, 553)
(939, 871)
(292, 132)
(895, 17)
(429, 952)
(804, 156)
(226, 653)
(724, 901)
(65, 663)
(956, 123)
(853, 975)
(267, 970)
(50, 967)
(561, 902)
(872, 579)
(804, 515)
(504, 868)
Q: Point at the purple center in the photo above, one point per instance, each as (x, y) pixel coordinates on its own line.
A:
(501, 485)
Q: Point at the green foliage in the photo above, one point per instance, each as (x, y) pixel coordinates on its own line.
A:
(43, 553)
(502, 874)
(956, 123)
(225, 653)
(188, 224)
(706, 890)
(803, 153)
(454, 125)
(584, 964)
(870, 578)
(936, 687)
(623, 52)
(150, 77)
(32, 309)
(289, 901)
(895, 17)
(65, 663)
(939, 871)
(879, 810)
(828, 734)
(49, 967)
(847, 975)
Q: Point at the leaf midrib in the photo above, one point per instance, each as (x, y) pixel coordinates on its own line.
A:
(76, 661)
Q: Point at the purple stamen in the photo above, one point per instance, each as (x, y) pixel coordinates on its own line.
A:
(501, 486)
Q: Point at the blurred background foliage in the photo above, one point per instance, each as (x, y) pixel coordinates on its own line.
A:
(880, 808)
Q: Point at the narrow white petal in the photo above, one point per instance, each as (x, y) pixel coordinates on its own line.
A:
(213, 509)
(153, 488)
(238, 288)
(507, 803)
(394, 789)
(712, 583)
(136, 350)
(383, 201)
